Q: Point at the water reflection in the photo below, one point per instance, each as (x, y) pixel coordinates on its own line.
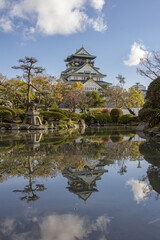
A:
(82, 182)
(82, 160)
(141, 190)
(59, 227)
(113, 170)
(151, 152)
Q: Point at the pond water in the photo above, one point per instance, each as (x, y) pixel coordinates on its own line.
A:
(102, 185)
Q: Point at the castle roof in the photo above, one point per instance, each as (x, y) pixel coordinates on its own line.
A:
(82, 53)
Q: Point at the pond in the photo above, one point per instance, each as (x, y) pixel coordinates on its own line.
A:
(102, 185)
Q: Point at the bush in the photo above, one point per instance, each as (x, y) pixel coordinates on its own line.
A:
(135, 119)
(152, 116)
(5, 115)
(75, 116)
(127, 118)
(52, 115)
(89, 119)
(115, 114)
(105, 110)
(103, 118)
(95, 111)
(19, 114)
(145, 114)
(153, 93)
(155, 118)
(62, 126)
(2, 102)
(7, 108)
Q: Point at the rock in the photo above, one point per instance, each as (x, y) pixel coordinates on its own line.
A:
(24, 127)
(82, 123)
(50, 125)
(142, 126)
(14, 127)
(156, 138)
(3, 128)
(39, 127)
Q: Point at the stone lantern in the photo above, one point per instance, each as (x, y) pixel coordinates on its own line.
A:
(32, 115)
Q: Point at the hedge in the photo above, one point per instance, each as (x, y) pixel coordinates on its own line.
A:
(5, 115)
(103, 118)
(115, 114)
(127, 118)
(52, 115)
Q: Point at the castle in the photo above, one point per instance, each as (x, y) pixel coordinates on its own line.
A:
(80, 68)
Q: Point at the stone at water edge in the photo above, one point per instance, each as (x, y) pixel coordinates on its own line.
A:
(142, 126)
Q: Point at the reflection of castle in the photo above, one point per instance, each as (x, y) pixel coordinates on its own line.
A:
(82, 182)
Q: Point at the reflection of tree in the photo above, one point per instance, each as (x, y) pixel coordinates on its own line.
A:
(151, 152)
(29, 190)
(33, 155)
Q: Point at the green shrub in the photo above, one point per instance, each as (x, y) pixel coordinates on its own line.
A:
(75, 116)
(18, 114)
(103, 118)
(7, 108)
(152, 116)
(155, 118)
(135, 119)
(127, 118)
(95, 111)
(145, 114)
(5, 115)
(89, 119)
(62, 126)
(2, 102)
(53, 115)
(153, 93)
(115, 114)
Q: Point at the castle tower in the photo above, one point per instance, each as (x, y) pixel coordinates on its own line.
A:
(80, 68)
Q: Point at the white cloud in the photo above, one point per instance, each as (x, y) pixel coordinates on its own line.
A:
(140, 190)
(2, 4)
(98, 25)
(6, 24)
(97, 4)
(138, 51)
(57, 16)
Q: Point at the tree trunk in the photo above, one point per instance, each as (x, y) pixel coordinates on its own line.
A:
(131, 111)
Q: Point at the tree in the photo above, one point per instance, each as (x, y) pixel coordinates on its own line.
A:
(150, 66)
(72, 94)
(121, 80)
(96, 99)
(14, 91)
(27, 65)
(122, 98)
(153, 94)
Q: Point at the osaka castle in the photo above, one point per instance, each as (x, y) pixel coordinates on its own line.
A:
(80, 68)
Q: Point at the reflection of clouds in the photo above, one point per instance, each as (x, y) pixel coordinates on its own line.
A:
(140, 190)
(57, 227)
(7, 226)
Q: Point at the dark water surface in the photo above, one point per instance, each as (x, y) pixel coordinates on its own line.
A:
(104, 184)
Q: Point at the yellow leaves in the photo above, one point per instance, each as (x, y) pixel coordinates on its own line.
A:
(77, 86)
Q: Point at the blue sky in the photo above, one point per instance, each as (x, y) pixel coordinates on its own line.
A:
(118, 32)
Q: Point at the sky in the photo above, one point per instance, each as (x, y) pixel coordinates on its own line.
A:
(118, 32)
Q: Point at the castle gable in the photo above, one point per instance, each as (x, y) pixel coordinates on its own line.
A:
(91, 85)
(87, 69)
